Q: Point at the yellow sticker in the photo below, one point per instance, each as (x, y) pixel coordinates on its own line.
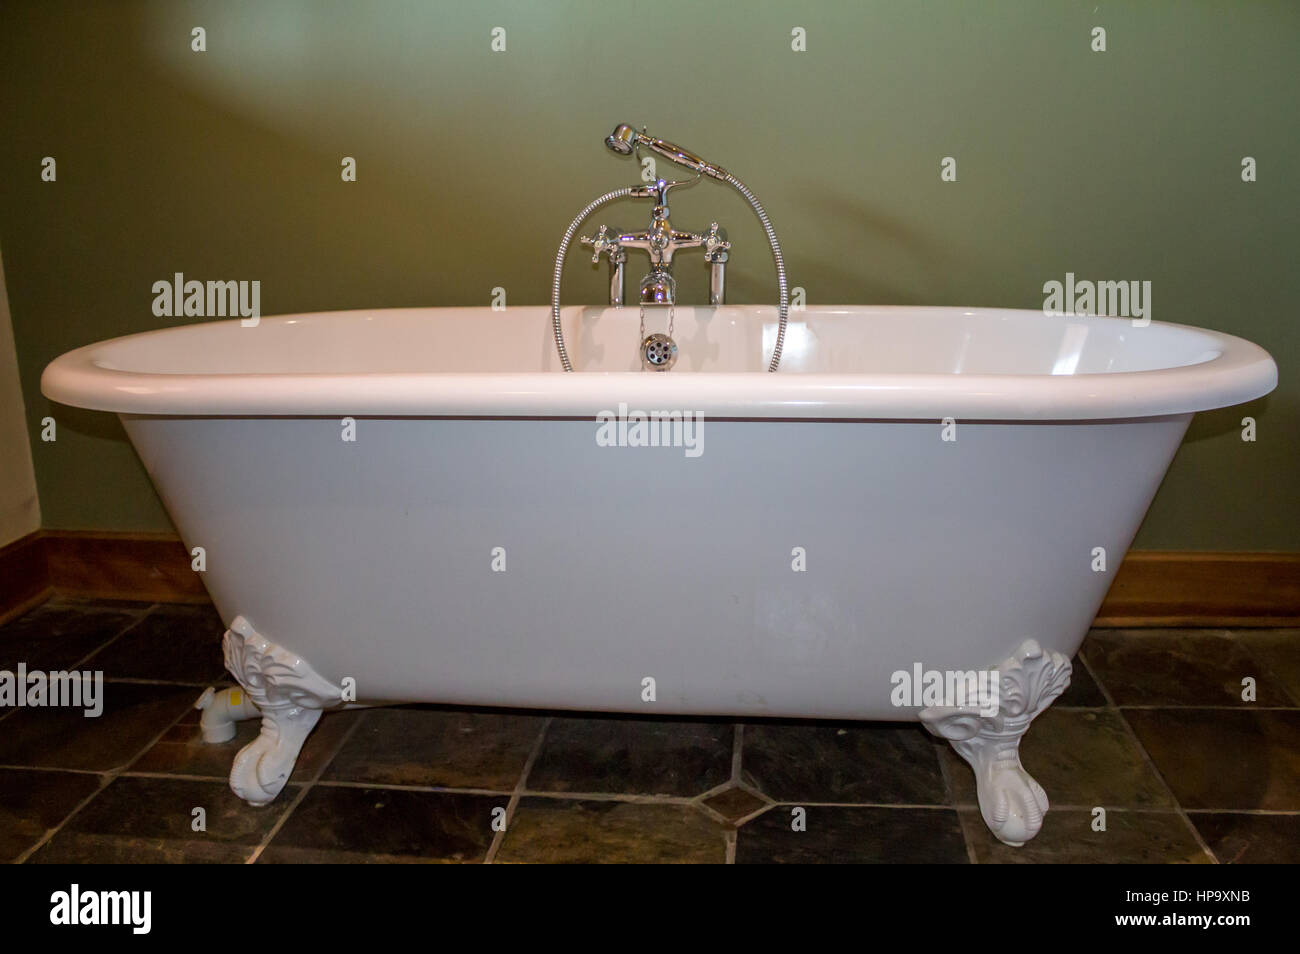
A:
(236, 697)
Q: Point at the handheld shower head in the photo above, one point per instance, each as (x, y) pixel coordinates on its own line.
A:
(621, 140)
(624, 139)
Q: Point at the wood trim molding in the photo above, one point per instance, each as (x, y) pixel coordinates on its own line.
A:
(1182, 588)
(91, 564)
(1152, 588)
(24, 576)
(152, 567)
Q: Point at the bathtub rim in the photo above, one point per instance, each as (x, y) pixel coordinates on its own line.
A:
(1242, 371)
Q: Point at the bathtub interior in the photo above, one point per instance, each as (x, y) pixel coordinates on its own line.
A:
(827, 340)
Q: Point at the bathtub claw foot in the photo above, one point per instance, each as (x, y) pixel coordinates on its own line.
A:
(1012, 803)
(289, 694)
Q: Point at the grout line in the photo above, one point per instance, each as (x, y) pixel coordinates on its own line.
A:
(729, 846)
(1265, 665)
(97, 604)
(732, 781)
(134, 681)
(1241, 811)
(613, 797)
(907, 805)
(708, 793)
(279, 823)
(712, 814)
(1059, 708)
(737, 751)
(520, 788)
(1146, 757)
(137, 617)
(182, 776)
(1092, 673)
(733, 823)
(752, 790)
(1115, 809)
(746, 819)
(51, 832)
(394, 787)
(951, 791)
(965, 826)
(111, 640)
(108, 778)
(1245, 706)
(48, 768)
(305, 788)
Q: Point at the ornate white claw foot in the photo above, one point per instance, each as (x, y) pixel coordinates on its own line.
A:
(1012, 803)
(289, 694)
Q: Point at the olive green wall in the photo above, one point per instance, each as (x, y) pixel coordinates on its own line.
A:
(225, 164)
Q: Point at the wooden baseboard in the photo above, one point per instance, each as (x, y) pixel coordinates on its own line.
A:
(24, 576)
(1152, 588)
(150, 567)
(153, 567)
(1181, 588)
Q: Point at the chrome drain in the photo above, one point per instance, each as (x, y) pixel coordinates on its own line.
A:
(658, 352)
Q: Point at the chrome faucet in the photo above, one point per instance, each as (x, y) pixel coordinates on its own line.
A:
(660, 241)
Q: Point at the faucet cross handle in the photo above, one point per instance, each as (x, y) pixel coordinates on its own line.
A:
(716, 245)
(602, 243)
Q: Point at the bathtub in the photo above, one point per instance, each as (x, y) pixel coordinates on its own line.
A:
(418, 505)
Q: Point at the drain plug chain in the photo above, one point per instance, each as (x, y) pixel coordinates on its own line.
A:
(658, 351)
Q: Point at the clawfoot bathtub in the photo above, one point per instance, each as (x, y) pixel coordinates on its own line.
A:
(416, 505)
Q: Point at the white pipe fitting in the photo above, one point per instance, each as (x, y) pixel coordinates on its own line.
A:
(221, 710)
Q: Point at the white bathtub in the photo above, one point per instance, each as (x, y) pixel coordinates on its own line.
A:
(476, 543)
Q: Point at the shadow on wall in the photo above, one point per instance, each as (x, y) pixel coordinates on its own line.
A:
(874, 235)
(95, 425)
(381, 241)
(1208, 425)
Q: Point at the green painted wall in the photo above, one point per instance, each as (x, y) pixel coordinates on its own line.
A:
(225, 164)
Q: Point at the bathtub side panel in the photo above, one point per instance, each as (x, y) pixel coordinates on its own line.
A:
(787, 570)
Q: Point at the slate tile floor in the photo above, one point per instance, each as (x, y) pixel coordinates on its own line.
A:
(1153, 729)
